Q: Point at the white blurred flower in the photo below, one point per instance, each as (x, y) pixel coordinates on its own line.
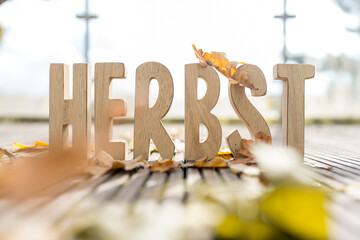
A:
(280, 164)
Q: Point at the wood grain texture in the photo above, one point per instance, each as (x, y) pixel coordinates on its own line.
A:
(147, 122)
(64, 111)
(198, 111)
(248, 114)
(293, 118)
(107, 108)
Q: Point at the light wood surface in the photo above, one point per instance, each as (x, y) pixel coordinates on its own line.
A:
(64, 111)
(198, 111)
(248, 114)
(106, 109)
(147, 122)
(293, 118)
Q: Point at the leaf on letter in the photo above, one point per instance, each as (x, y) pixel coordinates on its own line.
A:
(164, 165)
(262, 137)
(37, 144)
(200, 55)
(205, 163)
(221, 63)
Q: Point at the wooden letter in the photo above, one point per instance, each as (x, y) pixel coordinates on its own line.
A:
(147, 120)
(198, 111)
(248, 114)
(64, 111)
(293, 121)
(106, 109)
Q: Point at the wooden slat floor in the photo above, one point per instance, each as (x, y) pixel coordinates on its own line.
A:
(334, 147)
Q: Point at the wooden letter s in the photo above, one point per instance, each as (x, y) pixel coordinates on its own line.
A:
(248, 114)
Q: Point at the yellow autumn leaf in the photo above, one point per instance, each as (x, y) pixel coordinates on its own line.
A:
(37, 144)
(297, 210)
(233, 227)
(230, 69)
(205, 163)
(225, 154)
(1, 32)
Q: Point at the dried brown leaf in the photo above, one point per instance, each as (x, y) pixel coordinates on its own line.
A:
(99, 164)
(164, 165)
(262, 137)
(244, 149)
(246, 161)
(129, 165)
(246, 145)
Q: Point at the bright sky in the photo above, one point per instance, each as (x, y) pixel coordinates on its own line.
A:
(40, 32)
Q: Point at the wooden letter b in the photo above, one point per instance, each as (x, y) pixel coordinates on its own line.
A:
(198, 111)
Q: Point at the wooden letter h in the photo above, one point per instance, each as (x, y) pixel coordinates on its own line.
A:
(65, 111)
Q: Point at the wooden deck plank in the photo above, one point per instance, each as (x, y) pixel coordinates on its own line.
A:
(132, 189)
(323, 147)
(154, 187)
(211, 176)
(108, 189)
(227, 175)
(175, 187)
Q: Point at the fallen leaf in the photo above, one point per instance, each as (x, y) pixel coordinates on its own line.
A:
(244, 148)
(37, 144)
(246, 161)
(102, 159)
(230, 69)
(297, 210)
(164, 165)
(6, 152)
(129, 165)
(226, 154)
(205, 163)
(99, 164)
(246, 144)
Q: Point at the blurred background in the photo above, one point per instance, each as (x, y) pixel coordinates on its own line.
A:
(326, 33)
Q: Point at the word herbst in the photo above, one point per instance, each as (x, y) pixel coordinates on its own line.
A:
(147, 121)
